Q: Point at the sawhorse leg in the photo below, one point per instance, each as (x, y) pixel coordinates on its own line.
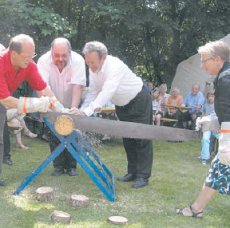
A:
(36, 172)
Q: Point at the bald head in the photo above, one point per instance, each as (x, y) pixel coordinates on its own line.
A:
(61, 41)
(17, 43)
(60, 51)
(195, 89)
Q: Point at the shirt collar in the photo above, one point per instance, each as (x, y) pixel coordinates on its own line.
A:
(103, 65)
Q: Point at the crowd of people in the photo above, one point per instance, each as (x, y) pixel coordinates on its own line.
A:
(60, 76)
(175, 110)
(187, 112)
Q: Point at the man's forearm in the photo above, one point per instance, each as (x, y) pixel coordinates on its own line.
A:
(76, 95)
(45, 92)
(9, 102)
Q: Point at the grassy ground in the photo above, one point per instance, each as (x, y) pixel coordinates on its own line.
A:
(177, 178)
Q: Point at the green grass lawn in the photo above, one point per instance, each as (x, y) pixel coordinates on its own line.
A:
(176, 179)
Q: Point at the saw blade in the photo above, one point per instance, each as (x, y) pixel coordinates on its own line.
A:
(126, 129)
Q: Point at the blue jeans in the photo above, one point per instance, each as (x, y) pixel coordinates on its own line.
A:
(205, 144)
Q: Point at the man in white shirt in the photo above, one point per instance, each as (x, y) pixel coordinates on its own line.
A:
(64, 72)
(112, 80)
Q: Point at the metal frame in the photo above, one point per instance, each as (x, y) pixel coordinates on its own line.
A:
(84, 155)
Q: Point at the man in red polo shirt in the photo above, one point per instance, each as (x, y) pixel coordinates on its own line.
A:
(16, 66)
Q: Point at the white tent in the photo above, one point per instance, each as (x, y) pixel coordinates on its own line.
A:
(189, 72)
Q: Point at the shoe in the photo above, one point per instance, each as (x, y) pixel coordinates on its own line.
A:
(128, 177)
(105, 138)
(204, 162)
(72, 172)
(7, 161)
(140, 182)
(2, 183)
(57, 172)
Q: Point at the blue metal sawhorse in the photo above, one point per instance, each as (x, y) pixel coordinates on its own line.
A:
(84, 155)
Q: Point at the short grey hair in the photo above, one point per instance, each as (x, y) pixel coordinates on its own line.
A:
(16, 43)
(95, 46)
(215, 49)
(163, 86)
(175, 89)
(61, 40)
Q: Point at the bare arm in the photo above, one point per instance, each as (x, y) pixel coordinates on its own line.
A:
(9, 102)
(45, 92)
(76, 95)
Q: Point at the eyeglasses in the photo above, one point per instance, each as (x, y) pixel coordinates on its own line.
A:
(29, 56)
(205, 60)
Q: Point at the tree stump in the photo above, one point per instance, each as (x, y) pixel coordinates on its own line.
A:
(60, 217)
(79, 201)
(118, 220)
(45, 194)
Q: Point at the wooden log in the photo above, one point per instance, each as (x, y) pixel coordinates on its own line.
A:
(79, 201)
(45, 194)
(60, 217)
(118, 220)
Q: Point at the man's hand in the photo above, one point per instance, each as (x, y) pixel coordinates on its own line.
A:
(76, 111)
(73, 110)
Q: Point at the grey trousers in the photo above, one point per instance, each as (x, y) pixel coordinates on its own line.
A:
(2, 123)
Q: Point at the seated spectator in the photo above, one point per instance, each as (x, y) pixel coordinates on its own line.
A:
(16, 121)
(163, 97)
(174, 101)
(156, 109)
(194, 101)
(150, 86)
(209, 112)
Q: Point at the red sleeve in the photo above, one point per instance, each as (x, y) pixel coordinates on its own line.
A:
(34, 78)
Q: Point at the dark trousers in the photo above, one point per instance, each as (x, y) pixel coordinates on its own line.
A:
(139, 151)
(2, 124)
(185, 120)
(6, 140)
(65, 159)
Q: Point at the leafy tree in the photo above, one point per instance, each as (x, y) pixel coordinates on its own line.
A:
(20, 16)
(151, 36)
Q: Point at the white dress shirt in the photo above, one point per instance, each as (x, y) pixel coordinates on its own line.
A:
(115, 82)
(61, 83)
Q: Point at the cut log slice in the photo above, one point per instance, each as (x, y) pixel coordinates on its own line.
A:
(45, 194)
(60, 217)
(79, 201)
(64, 125)
(118, 220)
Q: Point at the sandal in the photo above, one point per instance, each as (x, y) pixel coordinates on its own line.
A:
(193, 214)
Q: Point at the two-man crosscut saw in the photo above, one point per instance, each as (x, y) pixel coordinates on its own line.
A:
(124, 129)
